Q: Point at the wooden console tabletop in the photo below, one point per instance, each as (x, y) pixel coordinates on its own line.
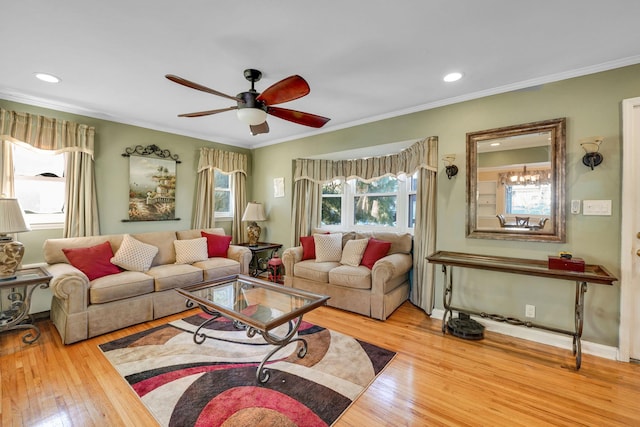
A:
(592, 274)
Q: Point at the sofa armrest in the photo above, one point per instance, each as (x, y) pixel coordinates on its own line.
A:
(70, 286)
(388, 268)
(241, 254)
(290, 257)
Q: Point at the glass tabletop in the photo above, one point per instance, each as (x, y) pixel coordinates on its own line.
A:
(254, 302)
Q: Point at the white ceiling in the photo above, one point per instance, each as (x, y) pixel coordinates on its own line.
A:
(364, 59)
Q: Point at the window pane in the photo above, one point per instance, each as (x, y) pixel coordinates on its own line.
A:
(375, 210)
(331, 211)
(40, 194)
(529, 199)
(411, 223)
(221, 180)
(222, 201)
(334, 187)
(388, 184)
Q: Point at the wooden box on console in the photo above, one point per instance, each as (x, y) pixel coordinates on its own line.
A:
(573, 264)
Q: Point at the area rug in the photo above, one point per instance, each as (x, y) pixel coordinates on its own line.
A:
(214, 383)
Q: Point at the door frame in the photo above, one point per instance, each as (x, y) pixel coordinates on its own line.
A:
(629, 318)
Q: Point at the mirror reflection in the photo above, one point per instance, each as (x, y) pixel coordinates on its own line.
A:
(515, 183)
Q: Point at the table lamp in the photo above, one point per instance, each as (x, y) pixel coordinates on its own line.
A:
(11, 221)
(254, 212)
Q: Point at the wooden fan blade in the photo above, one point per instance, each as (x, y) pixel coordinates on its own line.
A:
(197, 86)
(293, 87)
(306, 119)
(258, 129)
(208, 112)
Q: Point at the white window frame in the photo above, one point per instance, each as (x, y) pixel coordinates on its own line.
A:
(227, 215)
(41, 221)
(348, 198)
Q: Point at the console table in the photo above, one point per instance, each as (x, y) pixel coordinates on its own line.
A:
(15, 301)
(593, 274)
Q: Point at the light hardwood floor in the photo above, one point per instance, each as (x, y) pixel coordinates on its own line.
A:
(434, 380)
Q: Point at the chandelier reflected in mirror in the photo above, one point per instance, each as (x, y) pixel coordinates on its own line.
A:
(523, 176)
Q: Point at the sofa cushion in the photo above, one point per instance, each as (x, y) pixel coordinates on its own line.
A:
(401, 243)
(94, 261)
(328, 247)
(353, 251)
(197, 232)
(376, 249)
(163, 240)
(215, 268)
(190, 251)
(311, 270)
(308, 247)
(133, 255)
(351, 277)
(170, 276)
(120, 286)
(217, 245)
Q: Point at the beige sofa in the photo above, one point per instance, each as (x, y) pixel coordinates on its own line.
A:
(375, 292)
(82, 309)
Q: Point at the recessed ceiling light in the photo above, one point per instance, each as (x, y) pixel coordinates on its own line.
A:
(46, 77)
(452, 77)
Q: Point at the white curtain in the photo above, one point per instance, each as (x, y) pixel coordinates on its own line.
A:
(60, 136)
(229, 163)
(421, 157)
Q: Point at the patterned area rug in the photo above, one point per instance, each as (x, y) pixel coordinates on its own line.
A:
(214, 383)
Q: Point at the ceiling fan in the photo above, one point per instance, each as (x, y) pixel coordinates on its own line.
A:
(252, 106)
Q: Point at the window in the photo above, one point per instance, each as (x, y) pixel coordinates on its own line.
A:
(39, 184)
(223, 194)
(387, 202)
(528, 199)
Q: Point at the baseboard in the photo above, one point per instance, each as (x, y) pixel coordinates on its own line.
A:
(540, 336)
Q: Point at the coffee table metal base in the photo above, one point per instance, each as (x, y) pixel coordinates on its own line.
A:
(262, 373)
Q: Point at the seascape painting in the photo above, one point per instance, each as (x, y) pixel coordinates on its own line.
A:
(152, 189)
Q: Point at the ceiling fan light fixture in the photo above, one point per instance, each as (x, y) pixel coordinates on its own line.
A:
(252, 116)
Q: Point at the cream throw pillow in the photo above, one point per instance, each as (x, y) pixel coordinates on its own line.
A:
(353, 251)
(328, 247)
(134, 255)
(191, 250)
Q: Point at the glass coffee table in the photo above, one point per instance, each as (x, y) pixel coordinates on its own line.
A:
(256, 306)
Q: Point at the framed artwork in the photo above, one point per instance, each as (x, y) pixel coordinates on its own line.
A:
(152, 184)
(278, 187)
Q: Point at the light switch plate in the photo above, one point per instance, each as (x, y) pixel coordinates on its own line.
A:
(575, 206)
(596, 207)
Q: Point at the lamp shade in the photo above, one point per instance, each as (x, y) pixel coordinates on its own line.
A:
(254, 212)
(11, 217)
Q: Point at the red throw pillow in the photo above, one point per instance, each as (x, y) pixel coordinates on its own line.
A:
(217, 244)
(376, 249)
(94, 261)
(308, 247)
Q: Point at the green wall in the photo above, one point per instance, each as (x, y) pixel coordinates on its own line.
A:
(591, 105)
(112, 176)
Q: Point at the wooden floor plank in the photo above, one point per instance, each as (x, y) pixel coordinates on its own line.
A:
(434, 380)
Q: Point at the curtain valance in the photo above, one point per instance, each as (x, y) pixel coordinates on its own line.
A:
(422, 154)
(227, 162)
(46, 133)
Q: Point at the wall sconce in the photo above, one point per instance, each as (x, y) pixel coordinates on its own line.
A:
(591, 146)
(449, 167)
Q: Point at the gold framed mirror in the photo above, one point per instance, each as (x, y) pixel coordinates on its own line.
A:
(515, 182)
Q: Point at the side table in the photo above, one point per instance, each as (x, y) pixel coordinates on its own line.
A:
(15, 301)
(261, 254)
